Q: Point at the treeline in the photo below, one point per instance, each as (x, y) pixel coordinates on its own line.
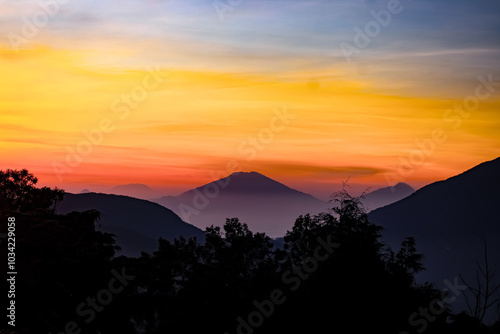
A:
(333, 275)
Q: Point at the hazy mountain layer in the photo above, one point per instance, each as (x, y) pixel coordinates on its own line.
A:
(137, 224)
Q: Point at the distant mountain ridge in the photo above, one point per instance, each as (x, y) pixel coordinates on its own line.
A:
(248, 183)
(385, 196)
(137, 190)
(137, 223)
(264, 204)
(472, 195)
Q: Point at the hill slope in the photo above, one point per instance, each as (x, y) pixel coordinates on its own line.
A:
(450, 220)
(137, 190)
(137, 224)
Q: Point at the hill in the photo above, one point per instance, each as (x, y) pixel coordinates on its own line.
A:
(137, 224)
(137, 190)
(450, 221)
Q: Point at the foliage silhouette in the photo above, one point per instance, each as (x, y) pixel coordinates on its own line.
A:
(19, 192)
(60, 259)
(359, 285)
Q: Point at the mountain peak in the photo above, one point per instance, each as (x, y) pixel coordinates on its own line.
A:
(264, 204)
(251, 182)
(384, 196)
(402, 185)
(247, 174)
(253, 177)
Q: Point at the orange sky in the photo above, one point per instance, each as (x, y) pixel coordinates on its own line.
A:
(175, 128)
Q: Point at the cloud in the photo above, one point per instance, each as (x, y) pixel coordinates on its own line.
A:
(292, 168)
(225, 78)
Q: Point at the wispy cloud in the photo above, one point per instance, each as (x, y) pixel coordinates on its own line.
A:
(225, 77)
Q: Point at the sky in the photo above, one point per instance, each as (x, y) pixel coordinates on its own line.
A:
(175, 94)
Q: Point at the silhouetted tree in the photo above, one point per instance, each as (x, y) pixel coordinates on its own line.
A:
(407, 262)
(209, 282)
(19, 193)
(334, 275)
(485, 293)
(60, 259)
(354, 282)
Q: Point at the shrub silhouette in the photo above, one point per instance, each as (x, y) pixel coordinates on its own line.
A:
(60, 259)
(334, 274)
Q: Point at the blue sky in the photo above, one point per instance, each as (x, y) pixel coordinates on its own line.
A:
(262, 55)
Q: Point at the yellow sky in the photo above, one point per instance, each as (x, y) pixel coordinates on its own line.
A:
(175, 127)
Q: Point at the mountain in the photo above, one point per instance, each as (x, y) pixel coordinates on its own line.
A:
(264, 204)
(137, 190)
(385, 196)
(137, 224)
(450, 221)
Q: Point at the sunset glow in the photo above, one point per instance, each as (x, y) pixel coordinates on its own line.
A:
(174, 96)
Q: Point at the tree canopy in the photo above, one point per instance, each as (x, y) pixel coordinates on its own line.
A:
(333, 275)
